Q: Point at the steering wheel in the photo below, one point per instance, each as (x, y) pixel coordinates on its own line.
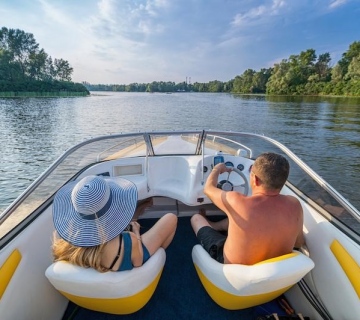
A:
(227, 185)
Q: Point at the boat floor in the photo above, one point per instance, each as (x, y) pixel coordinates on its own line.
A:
(179, 294)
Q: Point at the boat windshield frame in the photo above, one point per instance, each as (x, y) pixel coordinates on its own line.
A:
(146, 144)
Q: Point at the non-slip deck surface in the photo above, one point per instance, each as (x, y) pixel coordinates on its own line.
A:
(179, 294)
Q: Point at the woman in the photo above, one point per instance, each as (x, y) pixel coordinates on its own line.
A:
(90, 217)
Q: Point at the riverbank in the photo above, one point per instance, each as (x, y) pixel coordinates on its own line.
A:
(40, 89)
(62, 94)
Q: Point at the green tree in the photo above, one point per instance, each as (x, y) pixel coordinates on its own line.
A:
(336, 73)
(20, 46)
(322, 67)
(279, 82)
(301, 67)
(260, 80)
(215, 86)
(343, 64)
(62, 70)
(37, 66)
(5, 66)
(353, 69)
(22, 60)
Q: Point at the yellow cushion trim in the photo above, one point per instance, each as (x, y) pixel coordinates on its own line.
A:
(124, 305)
(8, 269)
(283, 257)
(349, 265)
(233, 302)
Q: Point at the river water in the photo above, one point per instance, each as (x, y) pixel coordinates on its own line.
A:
(323, 132)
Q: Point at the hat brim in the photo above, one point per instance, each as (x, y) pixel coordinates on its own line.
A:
(81, 232)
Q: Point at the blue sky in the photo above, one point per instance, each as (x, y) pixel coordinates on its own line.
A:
(125, 41)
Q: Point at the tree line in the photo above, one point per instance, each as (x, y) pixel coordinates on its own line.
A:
(304, 74)
(24, 66)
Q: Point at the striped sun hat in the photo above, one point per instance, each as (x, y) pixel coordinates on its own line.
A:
(94, 210)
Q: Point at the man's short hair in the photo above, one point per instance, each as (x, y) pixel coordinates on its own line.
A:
(272, 169)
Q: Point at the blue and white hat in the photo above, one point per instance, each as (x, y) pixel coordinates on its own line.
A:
(94, 210)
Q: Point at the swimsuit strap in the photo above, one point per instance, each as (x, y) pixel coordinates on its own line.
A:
(118, 254)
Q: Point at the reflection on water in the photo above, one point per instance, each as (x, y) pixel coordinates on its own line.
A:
(323, 132)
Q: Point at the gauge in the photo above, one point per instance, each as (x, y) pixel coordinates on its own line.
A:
(240, 167)
(229, 164)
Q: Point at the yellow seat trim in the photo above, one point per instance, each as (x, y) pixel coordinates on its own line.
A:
(279, 258)
(124, 305)
(233, 302)
(7, 270)
(348, 264)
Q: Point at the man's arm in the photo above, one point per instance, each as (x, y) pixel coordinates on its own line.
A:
(300, 240)
(216, 195)
(300, 244)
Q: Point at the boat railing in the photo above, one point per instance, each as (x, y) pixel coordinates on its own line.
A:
(249, 150)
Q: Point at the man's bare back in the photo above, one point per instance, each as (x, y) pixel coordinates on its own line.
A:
(261, 226)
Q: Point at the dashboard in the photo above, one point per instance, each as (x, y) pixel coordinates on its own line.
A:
(178, 177)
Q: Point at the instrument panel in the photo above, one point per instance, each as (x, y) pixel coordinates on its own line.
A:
(179, 177)
(237, 179)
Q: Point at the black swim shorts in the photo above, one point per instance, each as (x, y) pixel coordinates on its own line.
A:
(213, 242)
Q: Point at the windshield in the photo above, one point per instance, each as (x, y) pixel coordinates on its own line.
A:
(302, 179)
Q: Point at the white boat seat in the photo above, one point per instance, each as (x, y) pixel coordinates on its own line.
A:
(121, 292)
(236, 286)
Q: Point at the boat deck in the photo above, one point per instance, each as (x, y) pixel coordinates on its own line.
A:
(179, 294)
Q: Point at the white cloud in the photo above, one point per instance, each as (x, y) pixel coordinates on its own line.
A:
(244, 18)
(257, 14)
(53, 14)
(278, 4)
(152, 6)
(337, 3)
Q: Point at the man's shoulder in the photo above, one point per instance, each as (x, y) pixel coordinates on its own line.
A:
(236, 200)
(235, 196)
(292, 204)
(292, 199)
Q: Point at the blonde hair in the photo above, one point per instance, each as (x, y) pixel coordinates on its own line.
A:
(87, 257)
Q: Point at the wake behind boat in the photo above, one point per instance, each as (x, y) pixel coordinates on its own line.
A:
(172, 167)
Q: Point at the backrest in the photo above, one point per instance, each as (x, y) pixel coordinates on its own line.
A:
(236, 286)
(121, 292)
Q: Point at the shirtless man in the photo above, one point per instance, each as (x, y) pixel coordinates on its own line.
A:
(259, 227)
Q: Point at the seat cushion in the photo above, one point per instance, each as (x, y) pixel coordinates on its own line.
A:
(236, 286)
(121, 292)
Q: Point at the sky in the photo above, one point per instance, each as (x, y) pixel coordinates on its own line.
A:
(127, 41)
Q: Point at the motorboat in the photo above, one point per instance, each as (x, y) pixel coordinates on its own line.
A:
(171, 168)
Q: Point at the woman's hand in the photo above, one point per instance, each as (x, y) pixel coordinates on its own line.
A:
(135, 227)
(137, 250)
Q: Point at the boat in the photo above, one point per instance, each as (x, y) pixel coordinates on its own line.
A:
(172, 167)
